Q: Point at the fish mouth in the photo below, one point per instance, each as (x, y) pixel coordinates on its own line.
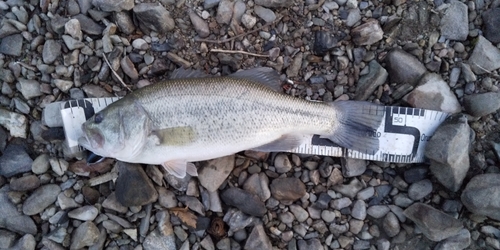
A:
(92, 139)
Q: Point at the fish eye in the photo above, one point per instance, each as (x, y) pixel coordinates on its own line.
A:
(98, 118)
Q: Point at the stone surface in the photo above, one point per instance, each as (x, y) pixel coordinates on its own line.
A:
(433, 93)
(403, 67)
(29, 88)
(116, 5)
(458, 242)
(482, 104)
(266, 14)
(448, 151)
(199, 25)
(154, 17)
(454, 24)
(85, 213)
(420, 189)
(11, 218)
(368, 83)
(51, 51)
(15, 160)
(258, 184)
(25, 183)
(482, 195)
(353, 167)
(274, 3)
(88, 25)
(258, 239)
(282, 163)
(367, 33)
(287, 189)
(323, 42)
(434, 224)
(133, 186)
(215, 172)
(40, 199)
(27, 242)
(491, 25)
(85, 235)
(245, 201)
(12, 45)
(485, 57)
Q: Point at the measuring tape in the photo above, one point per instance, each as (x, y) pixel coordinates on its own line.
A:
(403, 132)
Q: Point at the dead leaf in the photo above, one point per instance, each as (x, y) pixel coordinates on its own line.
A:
(188, 218)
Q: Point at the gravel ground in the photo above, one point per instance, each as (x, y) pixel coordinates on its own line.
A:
(440, 55)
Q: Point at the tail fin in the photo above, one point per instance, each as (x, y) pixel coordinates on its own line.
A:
(356, 123)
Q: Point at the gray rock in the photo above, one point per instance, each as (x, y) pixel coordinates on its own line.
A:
(245, 201)
(455, 22)
(420, 189)
(200, 25)
(41, 164)
(72, 43)
(359, 210)
(14, 161)
(237, 220)
(341, 203)
(124, 22)
(27, 242)
(25, 183)
(133, 186)
(224, 11)
(458, 242)
(467, 73)
(368, 83)
(43, 197)
(112, 203)
(310, 244)
(73, 8)
(415, 174)
(266, 14)
(482, 195)
(274, 3)
(7, 239)
(88, 25)
(73, 28)
(12, 45)
(29, 88)
(491, 24)
(287, 189)
(63, 85)
(6, 76)
(166, 198)
(21, 106)
(11, 218)
(248, 21)
(367, 33)
(258, 239)
(434, 224)
(238, 11)
(65, 202)
(85, 235)
(482, 104)
(391, 225)
(113, 5)
(163, 237)
(350, 190)
(293, 69)
(215, 172)
(448, 151)
(404, 67)
(85, 213)
(300, 213)
(51, 51)
(207, 4)
(378, 211)
(282, 163)
(16, 124)
(95, 91)
(353, 16)
(485, 57)
(433, 93)
(258, 184)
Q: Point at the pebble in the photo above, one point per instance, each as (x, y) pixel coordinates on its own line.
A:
(41, 164)
(110, 6)
(293, 69)
(367, 33)
(300, 213)
(287, 189)
(377, 211)
(258, 239)
(7, 239)
(40, 199)
(154, 17)
(258, 184)
(434, 224)
(485, 57)
(420, 189)
(27, 242)
(85, 235)
(403, 67)
(112, 203)
(12, 45)
(15, 160)
(248, 21)
(282, 163)
(460, 241)
(350, 190)
(454, 24)
(63, 85)
(129, 68)
(29, 88)
(208, 4)
(341, 203)
(133, 186)
(481, 193)
(244, 201)
(368, 83)
(224, 12)
(215, 172)
(85, 213)
(199, 25)
(124, 22)
(353, 16)
(323, 42)
(73, 28)
(491, 19)
(433, 93)
(11, 218)
(479, 105)
(265, 14)
(58, 166)
(25, 183)
(51, 51)
(448, 150)
(359, 210)
(467, 73)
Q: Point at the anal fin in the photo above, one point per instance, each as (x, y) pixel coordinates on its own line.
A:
(284, 143)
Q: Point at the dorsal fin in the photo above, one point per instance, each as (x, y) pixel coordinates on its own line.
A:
(263, 75)
(188, 73)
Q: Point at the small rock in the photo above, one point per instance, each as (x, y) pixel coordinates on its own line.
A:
(244, 201)
(258, 184)
(110, 6)
(323, 42)
(455, 22)
(11, 218)
(248, 21)
(25, 183)
(485, 57)
(7, 239)
(72, 43)
(73, 28)
(368, 33)
(266, 14)
(300, 213)
(391, 225)
(433, 93)
(350, 190)
(458, 242)
(368, 83)
(282, 163)
(215, 172)
(258, 239)
(88, 25)
(467, 73)
(12, 45)
(85, 213)
(133, 186)
(404, 67)
(208, 4)
(154, 17)
(95, 91)
(140, 44)
(65, 202)
(112, 203)
(448, 151)
(274, 3)
(41, 164)
(59, 166)
(51, 51)
(310, 244)
(27, 242)
(353, 16)
(15, 160)
(124, 22)
(287, 189)
(200, 25)
(378, 211)
(85, 235)
(129, 68)
(420, 189)
(359, 210)
(482, 195)
(479, 105)
(415, 174)
(434, 224)
(224, 12)
(40, 199)
(491, 29)
(29, 88)
(293, 69)
(63, 85)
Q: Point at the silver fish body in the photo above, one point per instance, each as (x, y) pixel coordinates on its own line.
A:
(179, 121)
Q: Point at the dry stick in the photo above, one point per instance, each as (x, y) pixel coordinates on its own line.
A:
(237, 52)
(114, 73)
(238, 36)
(489, 72)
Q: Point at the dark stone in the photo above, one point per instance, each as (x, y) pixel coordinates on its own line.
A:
(491, 25)
(324, 42)
(88, 25)
(11, 218)
(245, 201)
(12, 45)
(15, 160)
(53, 134)
(435, 225)
(415, 174)
(133, 186)
(287, 189)
(482, 195)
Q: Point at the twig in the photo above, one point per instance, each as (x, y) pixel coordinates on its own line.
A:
(237, 36)
(237, 52)
(114, 73)
(489, 72)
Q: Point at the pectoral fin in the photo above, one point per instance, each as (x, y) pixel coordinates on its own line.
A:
(284, 143)
(177, 168)
(176, 136)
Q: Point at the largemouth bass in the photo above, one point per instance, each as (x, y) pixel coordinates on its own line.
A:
(193, 118)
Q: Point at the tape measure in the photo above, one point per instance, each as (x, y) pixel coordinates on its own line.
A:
(403, 132)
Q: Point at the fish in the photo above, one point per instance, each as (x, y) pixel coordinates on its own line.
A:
(193, 117)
